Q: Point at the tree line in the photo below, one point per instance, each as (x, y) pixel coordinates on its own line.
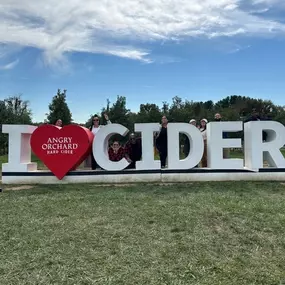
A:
(15, 110)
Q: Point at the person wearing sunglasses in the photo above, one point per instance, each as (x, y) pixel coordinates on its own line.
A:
(95, 127)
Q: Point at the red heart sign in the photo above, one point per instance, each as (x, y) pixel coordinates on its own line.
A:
(61, 149)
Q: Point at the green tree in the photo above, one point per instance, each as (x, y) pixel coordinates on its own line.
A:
(177, 111)
(13, 110)
(165, 109)
(149, 113)
(58, 109)
(118, 113)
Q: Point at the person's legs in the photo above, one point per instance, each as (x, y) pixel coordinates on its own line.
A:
(163, 155)
(93, 162)
(204, 158)
(132, 165)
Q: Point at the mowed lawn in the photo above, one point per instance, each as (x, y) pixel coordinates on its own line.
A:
(200, 233)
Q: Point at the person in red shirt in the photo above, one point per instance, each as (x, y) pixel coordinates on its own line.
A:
(116, 152)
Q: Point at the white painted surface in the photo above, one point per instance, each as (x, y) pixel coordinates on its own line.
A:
(147, 178)
(242, 176)
(19, 157)
(20, 151)
(196, 145)
(148, 162)
(216, 144)
(254, 147)
(99, 179)
(101, 145)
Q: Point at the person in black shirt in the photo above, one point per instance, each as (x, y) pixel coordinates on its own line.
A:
(161, 142)
(133, 150)
(253, 117)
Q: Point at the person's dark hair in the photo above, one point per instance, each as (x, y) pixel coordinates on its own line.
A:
(205, 127)
(95, 117)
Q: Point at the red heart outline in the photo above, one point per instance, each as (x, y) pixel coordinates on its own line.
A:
(49, 143)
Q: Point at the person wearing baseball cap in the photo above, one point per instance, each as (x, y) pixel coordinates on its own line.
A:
(193, 122)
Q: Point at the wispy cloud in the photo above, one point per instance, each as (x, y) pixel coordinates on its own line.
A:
(239, 48)
(61, 27)
(9, 65)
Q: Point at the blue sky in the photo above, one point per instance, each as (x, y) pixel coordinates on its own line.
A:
(148, 51)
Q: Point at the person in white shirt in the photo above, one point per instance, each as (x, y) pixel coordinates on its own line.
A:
(95, 127)
(96, 123)
(203, 130)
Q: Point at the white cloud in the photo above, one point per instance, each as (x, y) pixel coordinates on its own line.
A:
(105, 26)
(9, 65)
(239, 48)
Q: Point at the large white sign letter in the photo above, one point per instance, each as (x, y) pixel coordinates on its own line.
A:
(147, 131)
(256, 150)
(216, 144)
(196, 146)
(101, 144)
(19, 157)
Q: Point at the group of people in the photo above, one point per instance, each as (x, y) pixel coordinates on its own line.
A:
(161, 140)
(132, 149)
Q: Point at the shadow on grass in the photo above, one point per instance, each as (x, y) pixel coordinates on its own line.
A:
(241, 188)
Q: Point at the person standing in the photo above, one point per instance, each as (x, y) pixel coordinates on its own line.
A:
(253, 117)
(226, 151)
(133, 150)
(161, 142)
(95, 127)
(203, 130)
(186, 149)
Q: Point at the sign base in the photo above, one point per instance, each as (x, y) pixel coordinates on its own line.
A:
(145, 176)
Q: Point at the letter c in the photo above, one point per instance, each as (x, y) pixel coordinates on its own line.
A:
(101, 143)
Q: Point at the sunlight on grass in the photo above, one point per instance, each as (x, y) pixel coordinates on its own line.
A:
(200, 233)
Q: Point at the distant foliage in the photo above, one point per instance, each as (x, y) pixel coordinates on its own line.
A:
(232, 108)
(58, 109)
(13, 110)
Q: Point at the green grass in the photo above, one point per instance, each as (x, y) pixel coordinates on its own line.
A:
(201, 233)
